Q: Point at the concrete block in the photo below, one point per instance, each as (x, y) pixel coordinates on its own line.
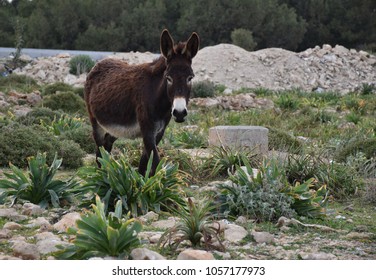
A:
(252, 137)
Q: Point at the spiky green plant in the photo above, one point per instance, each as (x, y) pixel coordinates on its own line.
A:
(38, 184)
(195, 224)
(98, 236)
(117, 179)
(62, 124)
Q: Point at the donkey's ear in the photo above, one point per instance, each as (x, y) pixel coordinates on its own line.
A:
(192, 46)
(167, 44)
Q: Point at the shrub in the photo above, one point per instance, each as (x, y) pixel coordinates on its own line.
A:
(18, 82)
(203, 89)
(280, 140)
(38, 185)
(268, 195)
(56, 87)
(118, 180)
(287, 101)
(187, 138)
(38, 115)
(243, 38)
(72, 154)
(66, 101)
(80, 64)
(18, 142)
(98, 236)
(366, 146)
(82, 135)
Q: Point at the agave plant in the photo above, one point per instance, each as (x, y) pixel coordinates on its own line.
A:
(119, 180)
(98, 236)
(38, 184)
(195, 225)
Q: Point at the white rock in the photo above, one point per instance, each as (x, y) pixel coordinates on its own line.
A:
(195, 255)
(25, 250)
(235, 233)
(67, 221)
(262, 237)
(145, 254)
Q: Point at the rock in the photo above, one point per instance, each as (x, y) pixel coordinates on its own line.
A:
(12, 226)
(26, 251)
(252, 137)
(49, 245)
(6, 257)
(241, 220)
(145, 254)
(5, 234)
(191, 254)
(34, 98)
(41, 223)
(164, 224)
(235, 233)
(21, 111)
(317, 256)
(31, 209)
(150, 216)
(7, 212)
(67, 221)
(262, 237)
(358, 236)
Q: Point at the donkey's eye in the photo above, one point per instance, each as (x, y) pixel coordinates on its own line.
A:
(169, 80)
(189, 79)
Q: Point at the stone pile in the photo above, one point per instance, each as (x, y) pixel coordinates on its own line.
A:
(316, 69)
(326, 68)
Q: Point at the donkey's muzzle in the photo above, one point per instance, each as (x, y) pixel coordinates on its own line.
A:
(179, 109)
(179, 115)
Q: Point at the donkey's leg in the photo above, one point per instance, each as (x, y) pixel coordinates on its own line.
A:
(108, 142)
(149, 147)
(99, 137)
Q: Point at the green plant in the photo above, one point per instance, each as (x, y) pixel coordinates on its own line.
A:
(72, 153)
(260, 197)
(16, 82)
(224, 160)
(63, 124)
(195, 224)
(187, 138)
(268, 195)
(56, 87)
(365, 145)
(80, 64)
(243, 38)
(38, 185)
(82, 135)
(66, 101)
(287, 101)
(38, 115)
(118, 180)
(353, 117)
(281, 140)
(367, 89)
(203, 89)
(98, 236)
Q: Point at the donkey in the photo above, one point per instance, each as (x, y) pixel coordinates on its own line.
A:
(139, 100)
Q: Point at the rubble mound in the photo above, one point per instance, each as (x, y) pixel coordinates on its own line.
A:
(323, 68)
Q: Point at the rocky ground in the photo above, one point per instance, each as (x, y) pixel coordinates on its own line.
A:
(29, 232)
(316, 69)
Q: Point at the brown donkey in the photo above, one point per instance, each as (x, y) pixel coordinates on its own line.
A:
(139, 100)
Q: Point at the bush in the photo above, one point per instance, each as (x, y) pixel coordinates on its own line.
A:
(38, 184)
(243, 38)
(83, 136)
(56, 87)
(66, 101)
(366, 146)
(203, 89)
(282, 141)
(71, 153)
(268, 195)
(18, 142)
(38, 115)
(80, 64)
(18, 82)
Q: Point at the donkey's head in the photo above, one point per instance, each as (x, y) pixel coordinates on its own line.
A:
(179, 72)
